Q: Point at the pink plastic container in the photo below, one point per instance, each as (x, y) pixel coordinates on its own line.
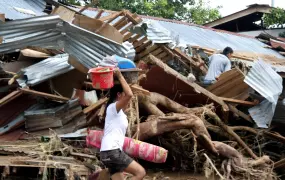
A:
(132, 147)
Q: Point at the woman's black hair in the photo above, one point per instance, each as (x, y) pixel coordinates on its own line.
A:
(117, 88)
(228, 50)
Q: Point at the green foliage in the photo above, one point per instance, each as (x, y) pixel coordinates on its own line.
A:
(202, 13)
(195, 11)
(276, 17)
(73, 2)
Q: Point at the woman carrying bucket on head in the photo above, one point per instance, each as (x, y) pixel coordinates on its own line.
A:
(116, 124)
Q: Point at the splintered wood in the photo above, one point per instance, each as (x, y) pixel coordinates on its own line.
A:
(95, 105)
(231, 85)
(44, 95)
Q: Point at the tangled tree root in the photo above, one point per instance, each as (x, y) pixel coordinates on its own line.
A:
(234, 165)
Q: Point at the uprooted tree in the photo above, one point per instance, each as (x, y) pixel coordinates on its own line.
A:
(194, 121)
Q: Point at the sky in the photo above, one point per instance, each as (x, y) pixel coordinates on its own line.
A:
(232, 6)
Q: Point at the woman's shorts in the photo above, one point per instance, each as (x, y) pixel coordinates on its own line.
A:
(115, 160)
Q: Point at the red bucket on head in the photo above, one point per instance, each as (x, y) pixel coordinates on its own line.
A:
(102, 77)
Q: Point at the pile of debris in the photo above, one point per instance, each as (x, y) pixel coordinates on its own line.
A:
(48, 103)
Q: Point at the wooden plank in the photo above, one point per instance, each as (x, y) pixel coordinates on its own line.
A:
(168, 51)
(173, 56)
(2, 17)
(134, 38)
(157, 51)
(237, 15)
(132, 19)
(161, 55)
(64, 13)
(147, 51)
(240, 113)
(137, 17)
(13, 95)
(119, 21)
(241, 102)
(143, 46)
(97, 105)
(111, 17)
(225, 78)
(127, 36)
(138, 43)
(87, 6)
(182, 78)
(122, 24)
(166, 58)
(101, 11)
(231, 85)
(190, 61)
(99, 27)
(126, 29)
(44, 95)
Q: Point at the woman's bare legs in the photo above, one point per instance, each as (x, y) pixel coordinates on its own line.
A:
(136, 170)
(118, 176)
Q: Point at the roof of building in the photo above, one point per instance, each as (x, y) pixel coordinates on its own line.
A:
(20, 9)
(89, 48)
(196, 35)
(202, 36)
(242, 20)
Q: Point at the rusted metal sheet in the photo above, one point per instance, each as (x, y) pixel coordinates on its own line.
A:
(14, 135)
(166, 81)
(277, 44)
(231, 85)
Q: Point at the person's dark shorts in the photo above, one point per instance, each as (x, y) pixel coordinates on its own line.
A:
(115, 160)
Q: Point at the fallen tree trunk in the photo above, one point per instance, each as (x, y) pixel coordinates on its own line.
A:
(154, 126)
(150, 104)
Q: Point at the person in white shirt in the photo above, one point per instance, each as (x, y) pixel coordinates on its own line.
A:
(219, 63)
(116, 123)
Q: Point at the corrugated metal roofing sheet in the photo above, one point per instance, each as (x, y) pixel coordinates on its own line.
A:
(46, 69)
(52, 32)
(263, 79)
(206, 37)
(11, 11)
(197, 36)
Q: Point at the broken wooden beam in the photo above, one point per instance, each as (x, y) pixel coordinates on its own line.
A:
(132, 19)
(44, 95)
(96, 105)
(127, 36)
(240, 113)
(13, 95)
(98, 15)
(143, 46)
(190, 61)
(83, 155)
(241, 102)
(200, 90)
(111, 17)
